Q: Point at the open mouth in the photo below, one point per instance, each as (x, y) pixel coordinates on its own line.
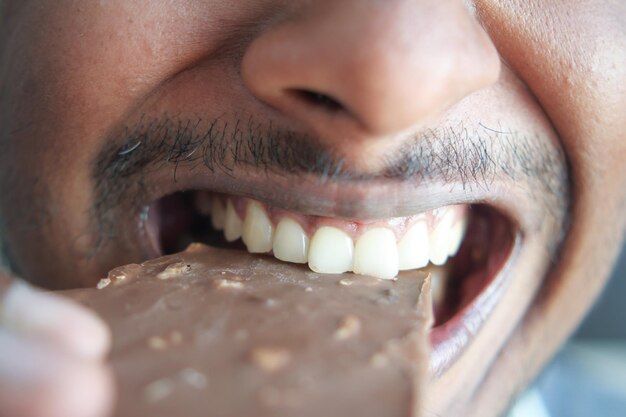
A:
(465, 248)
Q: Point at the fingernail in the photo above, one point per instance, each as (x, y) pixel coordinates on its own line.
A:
(46, 316)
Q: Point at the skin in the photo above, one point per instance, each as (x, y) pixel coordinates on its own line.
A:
(76, 76)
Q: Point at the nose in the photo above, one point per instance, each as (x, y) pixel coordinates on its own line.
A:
(354, 70)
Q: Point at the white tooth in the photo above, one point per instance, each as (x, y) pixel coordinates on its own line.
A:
(331, 251)
(218, 214)
(232, 223)
(439, 239)
(257, 229)
(202, 202)
(413, 249)
(456, 237)
(291, 244)
(438, 281)
(376, 254)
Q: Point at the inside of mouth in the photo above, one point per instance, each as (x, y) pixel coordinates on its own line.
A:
(176, 222)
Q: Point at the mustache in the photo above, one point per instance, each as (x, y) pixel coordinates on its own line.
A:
(469, 155)
(472, 156)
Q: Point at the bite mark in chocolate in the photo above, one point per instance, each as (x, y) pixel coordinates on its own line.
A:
(175, 270)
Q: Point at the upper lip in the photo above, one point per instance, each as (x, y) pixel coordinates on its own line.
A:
(350, 200)
(367, 200)
(433, 170)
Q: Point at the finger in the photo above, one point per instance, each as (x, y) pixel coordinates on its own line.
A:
(52, 319)
(39, 382)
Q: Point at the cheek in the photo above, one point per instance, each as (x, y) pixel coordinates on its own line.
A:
(573, 63)
(85, 64)
(76, 68)
(72, 69)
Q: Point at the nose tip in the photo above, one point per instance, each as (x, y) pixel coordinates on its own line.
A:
(359, 68)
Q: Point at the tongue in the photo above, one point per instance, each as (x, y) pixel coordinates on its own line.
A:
(212, 332)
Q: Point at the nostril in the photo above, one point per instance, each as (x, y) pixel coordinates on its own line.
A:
(318, 99)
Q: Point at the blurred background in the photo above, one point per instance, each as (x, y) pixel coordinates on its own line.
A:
(607, 321)
(588, 377)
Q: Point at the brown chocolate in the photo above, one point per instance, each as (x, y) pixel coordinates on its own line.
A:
(211, 332)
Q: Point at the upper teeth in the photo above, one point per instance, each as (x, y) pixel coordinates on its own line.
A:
(332, 251)
(376, 251)
(291, 244)
(218, 215)
(257, 229)
(414, 248)
(440, 243)
(233, 227)
(376, 254)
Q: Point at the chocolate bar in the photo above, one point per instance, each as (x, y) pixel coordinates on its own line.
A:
(214, 332)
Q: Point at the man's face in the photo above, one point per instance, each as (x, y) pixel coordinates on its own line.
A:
(351, 113)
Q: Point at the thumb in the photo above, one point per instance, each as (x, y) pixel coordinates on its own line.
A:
(51, 319)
